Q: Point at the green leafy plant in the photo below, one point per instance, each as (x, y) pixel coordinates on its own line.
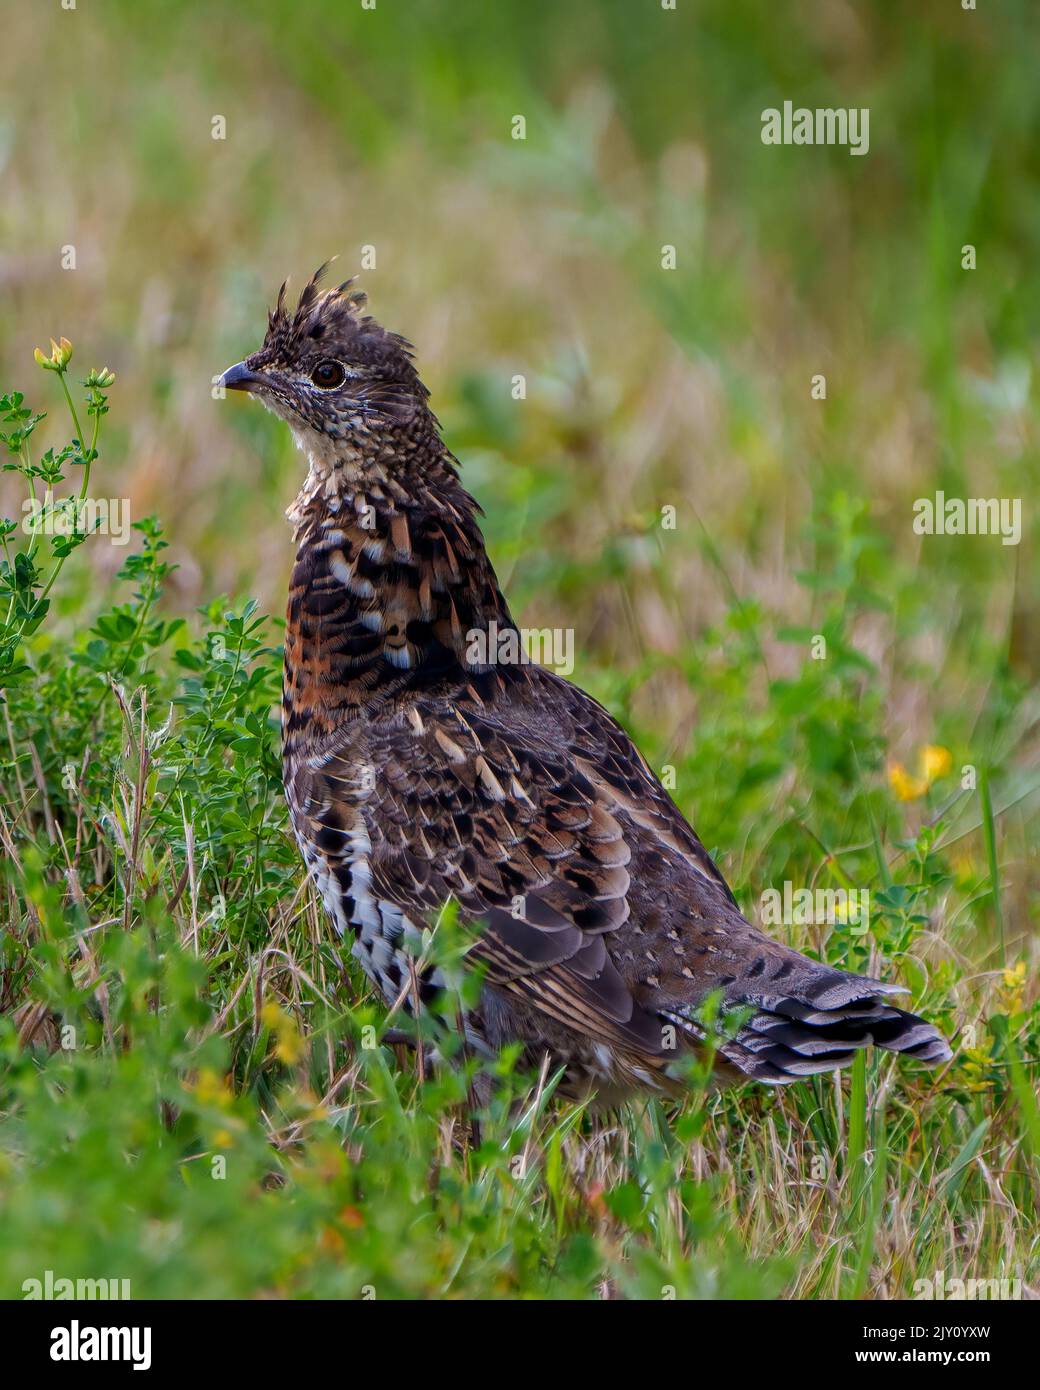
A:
(26, 577)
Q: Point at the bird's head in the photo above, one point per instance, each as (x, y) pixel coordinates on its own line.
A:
(332, 372)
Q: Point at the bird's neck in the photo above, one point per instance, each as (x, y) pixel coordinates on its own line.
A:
(392, 594)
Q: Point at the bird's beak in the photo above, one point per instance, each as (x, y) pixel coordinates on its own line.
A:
(240, 378)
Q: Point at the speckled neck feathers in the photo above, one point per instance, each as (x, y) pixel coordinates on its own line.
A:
(391, 574)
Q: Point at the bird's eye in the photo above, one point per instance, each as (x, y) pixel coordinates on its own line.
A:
(328, 374)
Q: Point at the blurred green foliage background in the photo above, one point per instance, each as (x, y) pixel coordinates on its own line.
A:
(391, 128)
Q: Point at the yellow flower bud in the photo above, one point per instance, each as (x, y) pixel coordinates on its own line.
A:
(59, 356)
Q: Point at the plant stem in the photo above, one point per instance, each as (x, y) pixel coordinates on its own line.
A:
(990, 836)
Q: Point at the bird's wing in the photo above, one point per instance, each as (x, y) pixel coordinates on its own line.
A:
(600, 907)
(524, 813)
(604, 752)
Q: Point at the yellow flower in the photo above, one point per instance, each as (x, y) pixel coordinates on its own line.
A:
(906, 787)
(211, 1088)
(977, 1063)
(288, 1043)
(289, 1046)
(935, 762)
(1012, 996)
(59, 358)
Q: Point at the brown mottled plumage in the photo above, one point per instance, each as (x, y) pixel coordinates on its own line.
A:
(415, 775)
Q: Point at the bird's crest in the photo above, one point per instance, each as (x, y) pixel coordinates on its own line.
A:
(336, 311)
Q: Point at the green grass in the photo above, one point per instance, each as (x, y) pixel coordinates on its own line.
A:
(192, 1090)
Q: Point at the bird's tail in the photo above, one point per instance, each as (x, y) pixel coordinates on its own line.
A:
(819, 1025)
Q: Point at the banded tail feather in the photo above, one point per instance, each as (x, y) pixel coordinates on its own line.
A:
(821, 1028)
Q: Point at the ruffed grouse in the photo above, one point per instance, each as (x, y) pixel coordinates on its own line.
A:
(416, 775)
